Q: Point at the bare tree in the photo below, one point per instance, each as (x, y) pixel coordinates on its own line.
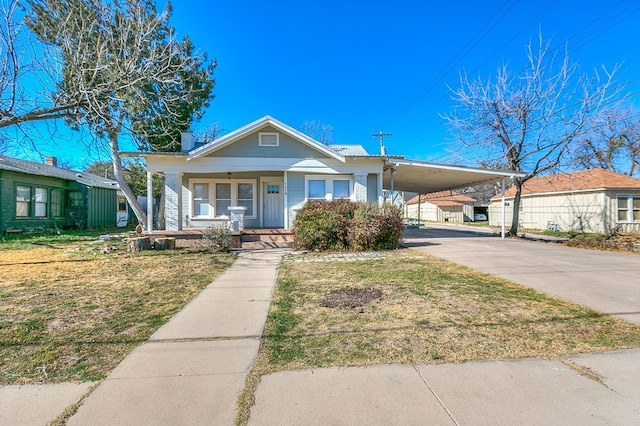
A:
(126, 71)
(613, 143)
(321, 132)
(28, 72)
(527, 121)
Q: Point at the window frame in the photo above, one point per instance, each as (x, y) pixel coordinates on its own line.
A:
(629, 210)
(328, 186)
(40, 203)
(57, 205)
(213, 214)
(261, 141)
(27, 201)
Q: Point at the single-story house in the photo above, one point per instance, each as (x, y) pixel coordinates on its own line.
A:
(37, 196)
(269, 170)
(594, 201)
(444, 206)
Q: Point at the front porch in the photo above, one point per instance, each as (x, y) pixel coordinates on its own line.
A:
(248, 239)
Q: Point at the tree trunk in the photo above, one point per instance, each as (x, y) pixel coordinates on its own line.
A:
(124, 186)
(138, 244)
(515, 221)
(165, 243)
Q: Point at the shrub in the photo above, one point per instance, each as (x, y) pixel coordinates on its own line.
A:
(342, 225)
(375, 228)
(216, 239)
(322, 225)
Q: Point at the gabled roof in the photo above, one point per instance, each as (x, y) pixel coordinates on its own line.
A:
(593, 179)
(257, 125)
(33, 168)
(442, 198)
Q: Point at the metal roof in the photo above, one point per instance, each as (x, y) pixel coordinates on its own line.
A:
(33, 168)
(423, 177)
(350, 150)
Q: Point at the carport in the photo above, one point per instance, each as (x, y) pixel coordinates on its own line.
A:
(423, 177)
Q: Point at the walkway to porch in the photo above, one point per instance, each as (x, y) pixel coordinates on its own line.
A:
(251, 239)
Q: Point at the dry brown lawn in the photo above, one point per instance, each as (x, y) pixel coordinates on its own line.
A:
(71, 310)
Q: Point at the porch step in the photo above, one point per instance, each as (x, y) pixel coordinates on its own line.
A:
(254, 239)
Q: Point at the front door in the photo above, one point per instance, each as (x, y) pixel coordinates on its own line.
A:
(273, 205)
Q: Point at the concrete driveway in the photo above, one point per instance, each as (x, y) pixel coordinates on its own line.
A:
(605, 281)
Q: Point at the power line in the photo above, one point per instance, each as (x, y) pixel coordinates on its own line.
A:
(597, 32)
(452, 62)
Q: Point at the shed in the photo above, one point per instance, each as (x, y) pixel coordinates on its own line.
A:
(444, 206)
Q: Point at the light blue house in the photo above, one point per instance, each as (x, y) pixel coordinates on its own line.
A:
(269, 170)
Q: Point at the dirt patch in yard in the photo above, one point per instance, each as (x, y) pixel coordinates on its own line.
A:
(351, 297)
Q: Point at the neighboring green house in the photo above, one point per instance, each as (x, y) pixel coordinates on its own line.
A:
(38, 196)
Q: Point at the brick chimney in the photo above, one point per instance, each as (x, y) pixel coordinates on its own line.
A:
(51, 161)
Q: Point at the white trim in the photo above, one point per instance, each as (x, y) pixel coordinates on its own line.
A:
(212, 196)
(328, 188)
(630, 208)
(262, 134)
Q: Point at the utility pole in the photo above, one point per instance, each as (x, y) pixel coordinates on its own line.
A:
(381, 136)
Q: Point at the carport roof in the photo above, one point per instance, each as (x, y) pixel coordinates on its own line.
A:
(423, 177)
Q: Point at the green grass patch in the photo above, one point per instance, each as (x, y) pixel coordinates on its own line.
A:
(430, 311)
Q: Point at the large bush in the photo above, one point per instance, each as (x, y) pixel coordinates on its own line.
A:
(345, 225)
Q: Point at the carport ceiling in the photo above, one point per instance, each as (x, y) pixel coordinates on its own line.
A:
(424, 178)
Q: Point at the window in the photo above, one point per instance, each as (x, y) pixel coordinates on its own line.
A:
(75, 200)
(200, 199)
(122, 203)
(57, 195)
(38, 202)
(23, 198)
(268, 139)
(628, 208)
(329, 188)
(340, 189)
(223, 198)
(212, 198)
(317, 189)
(245, 197)
(41, 202)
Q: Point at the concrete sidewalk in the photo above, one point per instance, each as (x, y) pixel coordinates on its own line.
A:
(193, 368)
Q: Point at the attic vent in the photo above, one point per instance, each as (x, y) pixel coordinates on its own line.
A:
(268, 139)
(78, 174)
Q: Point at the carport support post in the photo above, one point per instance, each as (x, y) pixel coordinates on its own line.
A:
(149, 202)
(504, 212)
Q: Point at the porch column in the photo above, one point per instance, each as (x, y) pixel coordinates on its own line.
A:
(360, 187)
(173, 201)
(380, 189)
(504, 212)
(149, 202)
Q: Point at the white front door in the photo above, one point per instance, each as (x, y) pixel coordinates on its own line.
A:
(273, 205)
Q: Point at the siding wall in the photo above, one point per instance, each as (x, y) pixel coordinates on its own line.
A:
(591, 212)
(102, 208)
(295, 195)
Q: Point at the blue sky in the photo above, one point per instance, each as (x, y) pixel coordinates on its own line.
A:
(366, 66)
(362, 67)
